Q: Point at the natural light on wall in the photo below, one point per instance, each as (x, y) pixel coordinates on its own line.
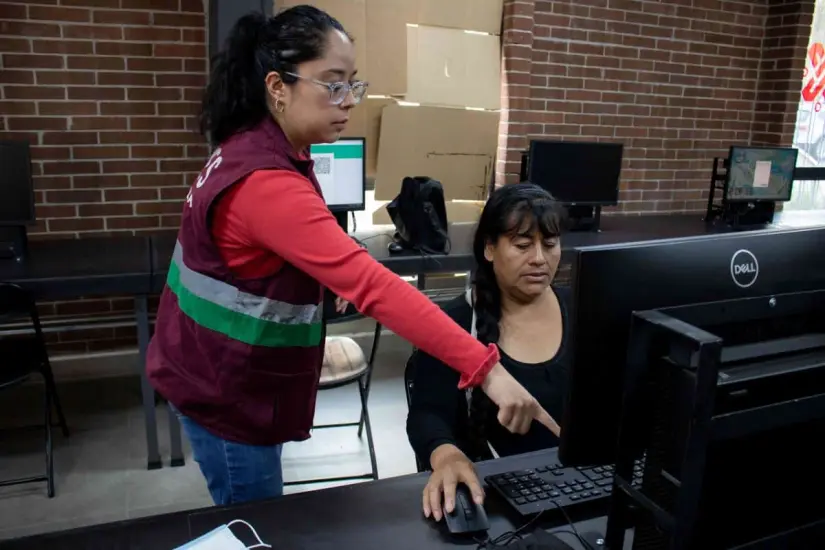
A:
(809, 136)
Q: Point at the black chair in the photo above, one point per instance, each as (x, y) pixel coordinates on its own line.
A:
(24, 355)
(409, 377)
(344, 364)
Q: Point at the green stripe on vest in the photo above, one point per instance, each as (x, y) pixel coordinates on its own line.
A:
(249, 329)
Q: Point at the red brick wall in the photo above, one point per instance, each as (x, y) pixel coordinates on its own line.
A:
(677, 82)
(106, 92)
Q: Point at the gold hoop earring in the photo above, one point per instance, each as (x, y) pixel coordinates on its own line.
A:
(279, 105)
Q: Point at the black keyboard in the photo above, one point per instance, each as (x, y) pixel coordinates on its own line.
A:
(552, 486)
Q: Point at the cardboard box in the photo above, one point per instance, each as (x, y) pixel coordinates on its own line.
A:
(365, 122)
(452, 67)
(457, 212)
(380, 30)
(473, 15)
(455, 146)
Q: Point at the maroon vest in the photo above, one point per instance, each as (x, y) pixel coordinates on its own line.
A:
(240, 357)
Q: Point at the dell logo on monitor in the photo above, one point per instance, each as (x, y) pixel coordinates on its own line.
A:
(744, 268)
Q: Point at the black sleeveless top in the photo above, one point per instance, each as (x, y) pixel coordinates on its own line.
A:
(438, 411)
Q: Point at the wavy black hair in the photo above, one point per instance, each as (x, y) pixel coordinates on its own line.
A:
(522, 208)
(235, 98)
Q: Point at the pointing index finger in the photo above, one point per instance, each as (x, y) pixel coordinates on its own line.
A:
(544, 418)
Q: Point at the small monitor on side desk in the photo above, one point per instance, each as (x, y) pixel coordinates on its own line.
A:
(756, 178)
(17, 204)
(755, 299)
(582, 176)
(341, 171)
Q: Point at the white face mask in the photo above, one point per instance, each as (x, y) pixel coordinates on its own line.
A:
(221, 538)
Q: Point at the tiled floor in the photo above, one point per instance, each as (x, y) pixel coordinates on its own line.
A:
(100, 469)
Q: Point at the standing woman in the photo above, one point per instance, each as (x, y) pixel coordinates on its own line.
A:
(238, 345)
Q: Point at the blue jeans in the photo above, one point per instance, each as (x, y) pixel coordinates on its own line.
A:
(235, 472)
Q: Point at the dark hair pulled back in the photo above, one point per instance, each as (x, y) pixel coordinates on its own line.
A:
(236, 98)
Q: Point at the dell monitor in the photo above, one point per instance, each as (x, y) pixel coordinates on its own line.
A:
(610, 282)
(17, 204)
(760, 174)
(341, 171)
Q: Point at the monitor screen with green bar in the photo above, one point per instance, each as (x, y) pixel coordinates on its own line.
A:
(340, 170)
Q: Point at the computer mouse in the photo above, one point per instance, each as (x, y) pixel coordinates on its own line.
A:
(467, 516)
(395, 247)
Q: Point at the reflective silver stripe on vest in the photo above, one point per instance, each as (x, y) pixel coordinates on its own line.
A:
(229, 297)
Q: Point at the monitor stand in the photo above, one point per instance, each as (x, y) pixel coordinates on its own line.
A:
(745, 216)
(14, 243)
(584, 218)
(343, 220)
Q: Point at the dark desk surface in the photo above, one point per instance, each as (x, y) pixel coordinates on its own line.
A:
(65, 268)
(71, 268)
(377, 515)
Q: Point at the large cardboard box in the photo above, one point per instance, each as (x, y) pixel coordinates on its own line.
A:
(474, 15)
(455, 146)
(457, 212)
(365, 122)
(380, 29)
(453, 67)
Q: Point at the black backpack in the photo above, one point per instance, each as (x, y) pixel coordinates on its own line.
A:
(420, 216)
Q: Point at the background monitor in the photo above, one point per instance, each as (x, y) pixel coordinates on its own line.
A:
(610, 282)
(577, 173)
(760, 174)
(341, 171)
(17, 198)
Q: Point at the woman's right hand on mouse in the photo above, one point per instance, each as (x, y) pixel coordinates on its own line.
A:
(450, 467)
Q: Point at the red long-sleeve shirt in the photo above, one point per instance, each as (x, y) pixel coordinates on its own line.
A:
(260, 223)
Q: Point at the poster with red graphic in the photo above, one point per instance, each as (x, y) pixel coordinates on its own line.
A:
(810, 121)
(809, 135)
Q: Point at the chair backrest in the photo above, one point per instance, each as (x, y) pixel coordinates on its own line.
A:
(409, 376)
(17, 302)
(16, 305)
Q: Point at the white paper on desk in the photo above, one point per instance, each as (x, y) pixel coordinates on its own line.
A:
(762, 173)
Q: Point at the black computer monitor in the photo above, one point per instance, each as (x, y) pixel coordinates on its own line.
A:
(17, 199)
(577, 173)
(612, 281)
(760, 174)
(341, 171)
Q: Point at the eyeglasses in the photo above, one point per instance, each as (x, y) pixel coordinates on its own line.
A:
(338, 91)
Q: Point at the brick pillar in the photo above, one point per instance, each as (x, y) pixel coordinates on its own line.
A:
(516, 64)
(787, 32)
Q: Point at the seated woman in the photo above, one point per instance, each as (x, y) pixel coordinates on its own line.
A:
(514, 305)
